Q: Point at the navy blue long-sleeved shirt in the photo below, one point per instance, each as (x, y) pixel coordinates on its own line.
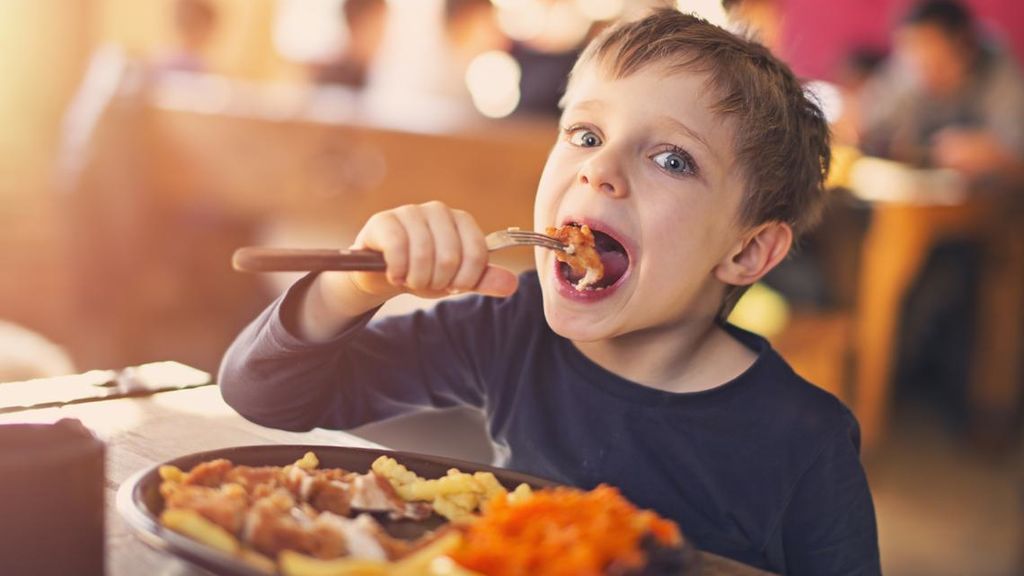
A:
(763, 469)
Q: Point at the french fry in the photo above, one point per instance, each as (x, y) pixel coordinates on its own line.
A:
(309, 461)
(446, 485)
(452, 509)
(397, 474)
(171, 474)
(466, 500)
(490, 484)
(418, 563)
(258, 561)
(196, 527)
(520, 494)
(295, 564)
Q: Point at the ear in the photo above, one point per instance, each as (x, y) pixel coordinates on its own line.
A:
(756, 254)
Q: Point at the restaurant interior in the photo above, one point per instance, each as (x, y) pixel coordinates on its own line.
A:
(142, 143)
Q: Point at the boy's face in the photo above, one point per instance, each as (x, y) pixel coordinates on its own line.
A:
(646, 164)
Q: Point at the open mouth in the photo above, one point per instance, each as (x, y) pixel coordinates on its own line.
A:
(614, 259)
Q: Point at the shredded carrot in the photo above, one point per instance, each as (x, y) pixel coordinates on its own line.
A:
(562, 531)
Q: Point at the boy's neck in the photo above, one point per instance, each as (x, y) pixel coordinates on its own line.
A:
(684, 358)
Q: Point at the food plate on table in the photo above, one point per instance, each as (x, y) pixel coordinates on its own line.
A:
(338, 511)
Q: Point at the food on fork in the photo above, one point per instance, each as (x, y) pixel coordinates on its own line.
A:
(580, 254)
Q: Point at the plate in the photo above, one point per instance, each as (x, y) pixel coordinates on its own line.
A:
(140, 504)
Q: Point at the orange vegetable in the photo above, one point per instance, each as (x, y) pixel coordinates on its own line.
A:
(562, 531)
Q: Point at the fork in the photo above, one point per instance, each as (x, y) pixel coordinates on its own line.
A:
(260, 259)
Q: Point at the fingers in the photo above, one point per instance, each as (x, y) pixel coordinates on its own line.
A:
(419, 246)
(474, 253)
(431, 249)
(385, 233)
(447, 245)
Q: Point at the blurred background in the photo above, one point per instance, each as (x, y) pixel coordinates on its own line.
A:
(142, 142)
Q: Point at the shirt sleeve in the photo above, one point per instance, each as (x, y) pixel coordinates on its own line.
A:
(370, 372)
(829, 528)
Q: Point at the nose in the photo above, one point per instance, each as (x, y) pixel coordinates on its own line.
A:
(603, 173)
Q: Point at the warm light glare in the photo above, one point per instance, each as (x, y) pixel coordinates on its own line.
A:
(551, 27)
(308, 30)
(522, 21)
(600, 9)
(493, 82)
(566, 26)
(510, 3)
(710, 10)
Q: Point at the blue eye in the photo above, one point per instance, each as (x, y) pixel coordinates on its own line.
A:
(584, 138)
(676, 162)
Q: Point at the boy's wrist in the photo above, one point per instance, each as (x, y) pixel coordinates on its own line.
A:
(332, 302)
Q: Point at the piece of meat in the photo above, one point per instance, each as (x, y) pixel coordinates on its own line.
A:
(271, 526)
(581, 253)
(357, 536)
(225, 506)
(331, 496)
(210, 473)
(253, 477)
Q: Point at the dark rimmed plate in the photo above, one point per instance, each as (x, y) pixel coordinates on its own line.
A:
(140, 504)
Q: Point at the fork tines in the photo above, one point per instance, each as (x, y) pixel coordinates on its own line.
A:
(535, 238)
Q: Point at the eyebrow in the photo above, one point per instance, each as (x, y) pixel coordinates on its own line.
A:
(679, 126)
(583, 105)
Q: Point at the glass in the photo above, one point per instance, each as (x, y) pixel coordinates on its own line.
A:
(51, 499)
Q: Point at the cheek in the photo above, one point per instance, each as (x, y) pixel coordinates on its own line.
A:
(685, 237)
(553, 184)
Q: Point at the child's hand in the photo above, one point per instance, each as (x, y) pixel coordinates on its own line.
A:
(431, 250)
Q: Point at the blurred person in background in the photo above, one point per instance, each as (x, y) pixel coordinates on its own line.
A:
(950, 97)
(365, 22)
(195, 22)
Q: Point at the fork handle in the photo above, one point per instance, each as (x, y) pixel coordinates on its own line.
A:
(258, 259)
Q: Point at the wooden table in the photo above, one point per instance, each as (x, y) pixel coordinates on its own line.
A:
(141, 431)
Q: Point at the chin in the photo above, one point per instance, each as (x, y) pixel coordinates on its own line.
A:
(574, 327)
(572, 319)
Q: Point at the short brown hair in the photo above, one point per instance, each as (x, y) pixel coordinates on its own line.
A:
(782, 138)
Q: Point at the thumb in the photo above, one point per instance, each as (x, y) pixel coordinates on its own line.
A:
(497, 281)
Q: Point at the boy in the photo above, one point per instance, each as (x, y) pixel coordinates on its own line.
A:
(694, 157)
